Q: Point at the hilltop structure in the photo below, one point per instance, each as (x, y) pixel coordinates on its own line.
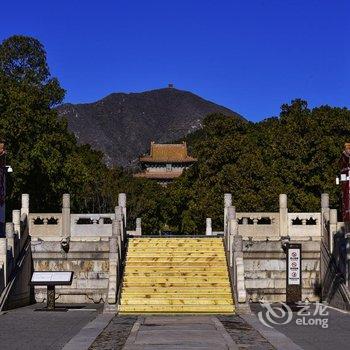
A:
(165, 162)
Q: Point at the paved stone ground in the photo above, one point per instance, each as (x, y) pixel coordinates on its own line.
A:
(179, 332)
(244, 335)
(24, 328)
(115, 334)
(314, 337)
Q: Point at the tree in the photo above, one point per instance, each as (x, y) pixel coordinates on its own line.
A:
(46, 158)
(296, 154)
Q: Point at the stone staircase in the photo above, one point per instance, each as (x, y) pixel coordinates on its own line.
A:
(176, 275)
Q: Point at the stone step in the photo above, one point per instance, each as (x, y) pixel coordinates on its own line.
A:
(219, 294)
(176, 301)
(175, 264)
(152, 248)
(176, 284)
(174, 269)
(177, 239)
(177, 259)
(176, 290)
(174, 244)
(176, 254)
(175, 279)
(173, 309)
(178, 274)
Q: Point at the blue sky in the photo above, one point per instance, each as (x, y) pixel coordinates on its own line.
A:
(250, 56)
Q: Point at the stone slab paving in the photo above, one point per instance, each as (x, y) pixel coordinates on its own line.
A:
(179, 332)
(115, 334)
(314, 337)
(185, 332)
(24, 328)
(89, 333)
(243, 334)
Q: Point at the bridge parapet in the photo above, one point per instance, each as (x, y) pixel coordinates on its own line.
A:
(263, 235)
(91, 245)
(15, 260)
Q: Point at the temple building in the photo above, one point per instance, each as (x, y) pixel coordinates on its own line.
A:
(165, 162)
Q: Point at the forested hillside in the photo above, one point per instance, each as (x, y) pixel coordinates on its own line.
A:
(122, 126)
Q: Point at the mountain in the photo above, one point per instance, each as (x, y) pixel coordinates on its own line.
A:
(123, 125)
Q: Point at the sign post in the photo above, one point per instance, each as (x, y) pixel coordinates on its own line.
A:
(2, 188)
(294, 274)
(51, 280)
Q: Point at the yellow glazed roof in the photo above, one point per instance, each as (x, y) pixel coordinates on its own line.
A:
(168, 153)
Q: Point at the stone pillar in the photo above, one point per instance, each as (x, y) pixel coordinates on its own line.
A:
(114, 259)
(208, 230)
(116, 232)
(119, 217)
(333, 222)
(25, 204)
(237, 251)
(231, 230)
(283, 215)
(231, 215)
(122, 203)
(16, 219)
(325, 213)
(227, 203)
(138, 227)
(66, 215)
(10, 237)
(3, 257)
(325, 201)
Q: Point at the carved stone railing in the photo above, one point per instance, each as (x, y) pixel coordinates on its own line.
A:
(304, 224)
(15, 259)
(92, 225)
(45, 224)
(2, 276)
(239, 280)
(258, 225)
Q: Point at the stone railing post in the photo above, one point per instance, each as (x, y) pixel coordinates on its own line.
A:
(283, 215)
(114, 259)
(237, 250)
(227, 203)
(231, 229)
(3, 258)
(325, 213)
(25, 204)
(10, 237)
(239, 279)
(116, 232)
(209, 229)
(66, 215)
(138, 227)
(333, 222)
(122, 203)
(119, 217)
(347, 240)
(16, 220)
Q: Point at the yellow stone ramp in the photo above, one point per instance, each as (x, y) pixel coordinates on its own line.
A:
(176, 275)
